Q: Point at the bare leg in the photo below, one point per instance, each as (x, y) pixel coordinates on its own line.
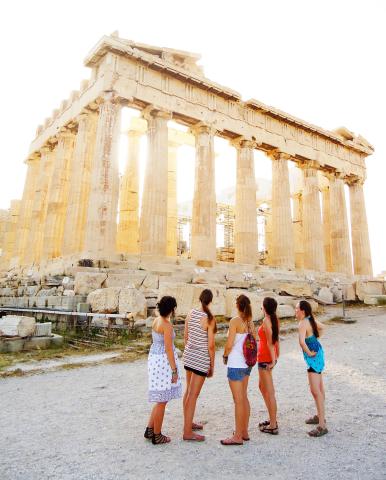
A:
(268, 392)
(196, 383)
(158, 416)
(317, 392)
(188, 379)
(247, 407)
(237, 389)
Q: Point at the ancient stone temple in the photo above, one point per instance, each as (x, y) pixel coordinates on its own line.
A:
(73, 196)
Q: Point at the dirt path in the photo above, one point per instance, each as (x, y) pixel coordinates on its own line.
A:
(88, 423)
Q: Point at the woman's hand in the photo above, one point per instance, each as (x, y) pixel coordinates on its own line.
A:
(210, 372)
(174, 377)
(311, 354)
(271, 365)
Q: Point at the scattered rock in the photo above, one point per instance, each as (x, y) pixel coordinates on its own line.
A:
(324, 296)
(132, 301)
(87, 282)
(104, 300)
(17, 325)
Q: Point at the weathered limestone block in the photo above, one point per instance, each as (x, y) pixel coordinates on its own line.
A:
(375, 300)
(20, 291)
(255, 298)
(9, 292)
(151, 281)
(17, 325)
(47, 292)
(132, 301)
(54, 302)
(208, 277)
(349, 292)
(324, 296)
(135, 278)
(187, 296)
(285, 311)
(69, 293)
(293, 301)
(104, 300)
(87, 282)
(364, 288)
(336, 294)
(296, 289)
(32, 290)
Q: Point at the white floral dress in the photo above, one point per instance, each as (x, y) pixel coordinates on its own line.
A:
(161, 388)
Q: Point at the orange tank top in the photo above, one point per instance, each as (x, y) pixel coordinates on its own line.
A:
(263, 355)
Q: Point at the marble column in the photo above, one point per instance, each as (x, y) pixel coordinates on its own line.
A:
(128, 227)
(340, 240)
(359, 230)
(101, 224)
(282, 234)
(58, 196)
(79, 184)
(245, 236)
(203, 246)
(312, 221)
(39, 206)
(268, 235)
(326, 226)
(297, 199)
(4, 214)
(153, 222)
(25, 217)
(172, 219)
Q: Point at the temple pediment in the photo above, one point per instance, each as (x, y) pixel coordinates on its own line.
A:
(179, 58)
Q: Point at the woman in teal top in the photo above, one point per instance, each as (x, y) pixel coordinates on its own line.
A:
(310, 331)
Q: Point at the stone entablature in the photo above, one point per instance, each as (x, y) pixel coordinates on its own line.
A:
(140, 78)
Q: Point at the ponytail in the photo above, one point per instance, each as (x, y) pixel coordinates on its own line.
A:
(206, 298)
(307, 309)
(244, 307)
(270, 306)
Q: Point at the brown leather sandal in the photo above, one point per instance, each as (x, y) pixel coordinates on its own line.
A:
(159, 439)
(318, 432)
(313, 420)
(271, 431)
(148, 433)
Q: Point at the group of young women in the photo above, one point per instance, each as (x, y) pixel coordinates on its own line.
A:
(199, 363)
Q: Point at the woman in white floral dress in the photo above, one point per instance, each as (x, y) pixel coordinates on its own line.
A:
(163, 370)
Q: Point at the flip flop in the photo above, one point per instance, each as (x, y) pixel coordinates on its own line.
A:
(228, 441)
(195, 438)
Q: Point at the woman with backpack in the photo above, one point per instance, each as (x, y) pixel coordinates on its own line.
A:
(267, 356)
(199, 354)
(310, 331)
(238, 356)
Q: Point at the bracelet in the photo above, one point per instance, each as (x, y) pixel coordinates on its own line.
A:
(174, 372)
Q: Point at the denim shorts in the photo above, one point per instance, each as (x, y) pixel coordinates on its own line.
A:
(238, 374)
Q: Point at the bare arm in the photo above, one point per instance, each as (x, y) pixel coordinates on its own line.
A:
(186, 332)
(168, 338)
(211, 347)
(321, 328)
(268, 333)
(231, 337)
(302, 339)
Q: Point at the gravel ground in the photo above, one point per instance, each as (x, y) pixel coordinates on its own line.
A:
(88, 423)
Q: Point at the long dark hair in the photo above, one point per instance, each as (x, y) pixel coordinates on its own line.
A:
(244, 306)
(206, 298)
(307, 309)
(270, 306)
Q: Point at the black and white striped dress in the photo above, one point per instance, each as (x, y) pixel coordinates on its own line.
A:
(196, 354)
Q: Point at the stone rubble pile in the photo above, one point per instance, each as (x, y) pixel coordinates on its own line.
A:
(134, 292)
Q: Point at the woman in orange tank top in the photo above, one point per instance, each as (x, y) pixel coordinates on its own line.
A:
(267, 356)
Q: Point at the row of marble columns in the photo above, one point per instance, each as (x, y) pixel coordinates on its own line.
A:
(70, 201)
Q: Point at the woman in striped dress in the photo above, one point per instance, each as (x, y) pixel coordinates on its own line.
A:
(200, 329)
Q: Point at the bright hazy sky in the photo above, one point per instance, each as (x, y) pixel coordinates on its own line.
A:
(322, 61)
